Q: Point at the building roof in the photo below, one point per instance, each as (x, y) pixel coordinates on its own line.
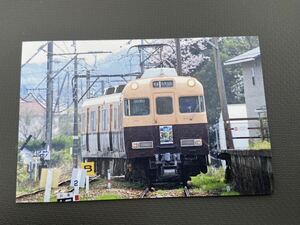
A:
(248, 56)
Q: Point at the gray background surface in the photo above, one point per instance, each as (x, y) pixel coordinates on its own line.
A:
(275, 22)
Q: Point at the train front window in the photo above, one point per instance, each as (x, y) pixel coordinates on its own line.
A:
(191, 104)
(164, 105)
(137, 107)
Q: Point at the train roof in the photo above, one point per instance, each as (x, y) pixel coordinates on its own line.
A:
(102, 99)
(178, 80)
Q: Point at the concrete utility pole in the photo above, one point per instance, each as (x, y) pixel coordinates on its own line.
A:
(58, 93)
(87, 86)
(49, 98)
(102, 87)
(142, 61)
(76, 144)
(178, 56)
(222, 93)
(75, 100)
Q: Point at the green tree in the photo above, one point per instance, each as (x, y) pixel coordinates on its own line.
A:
(233, 79)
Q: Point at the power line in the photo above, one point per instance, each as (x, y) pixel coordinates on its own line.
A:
(38, 51)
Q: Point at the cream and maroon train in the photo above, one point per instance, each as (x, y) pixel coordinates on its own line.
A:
(154, 128)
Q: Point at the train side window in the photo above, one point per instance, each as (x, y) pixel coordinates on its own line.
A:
(191, 104)
(83, 122)
(202, 103)
(104, 119)
(93, 121)
(137, 107)
(115, 116)
(87, 120)
(126, 107)
(164, 105)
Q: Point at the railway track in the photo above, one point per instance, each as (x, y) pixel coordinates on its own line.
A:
(62, 183)
(41, 190)
(186, 192)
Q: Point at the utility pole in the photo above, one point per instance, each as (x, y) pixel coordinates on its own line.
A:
(102, 87)
(58, 93)
(87, 86)
(142, 62)
(222, 93)
(76, 144)
(49, 97)
(75, 100)
(68, 88)
(178, 56)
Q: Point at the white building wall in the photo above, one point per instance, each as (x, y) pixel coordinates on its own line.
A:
(254, 93)
(240, 127)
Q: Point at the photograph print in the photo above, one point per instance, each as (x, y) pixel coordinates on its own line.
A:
(142, 119)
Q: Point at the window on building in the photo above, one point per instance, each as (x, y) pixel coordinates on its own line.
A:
(93, 121)
(191, 104)
(253, 76)
(136, 107)
(164, 105)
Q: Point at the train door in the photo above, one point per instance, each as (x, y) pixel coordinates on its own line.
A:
(164, 116)
(164, 110)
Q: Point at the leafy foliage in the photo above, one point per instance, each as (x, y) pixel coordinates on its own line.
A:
(260, 145)
(60, 157)
(34, 145)
(61, 142)
(213, 181)
(108, 196)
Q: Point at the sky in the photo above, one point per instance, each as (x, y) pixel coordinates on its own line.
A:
(30, 48)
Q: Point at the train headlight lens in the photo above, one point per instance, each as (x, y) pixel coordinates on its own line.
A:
(134, 86)
(142, 144)
(191, 83)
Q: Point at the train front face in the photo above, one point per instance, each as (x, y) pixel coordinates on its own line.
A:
(165, 122)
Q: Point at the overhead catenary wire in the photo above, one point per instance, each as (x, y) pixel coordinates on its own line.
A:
(38, 51)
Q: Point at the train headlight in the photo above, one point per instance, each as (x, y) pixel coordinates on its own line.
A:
(191, 82)
(134, 86)
(190, 142)
(142, 144)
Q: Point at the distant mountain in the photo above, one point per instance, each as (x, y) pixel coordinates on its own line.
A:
(117, 63)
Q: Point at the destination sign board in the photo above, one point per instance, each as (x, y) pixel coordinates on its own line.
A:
(163, 84)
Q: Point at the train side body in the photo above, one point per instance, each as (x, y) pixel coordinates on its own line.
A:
(102, 134)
